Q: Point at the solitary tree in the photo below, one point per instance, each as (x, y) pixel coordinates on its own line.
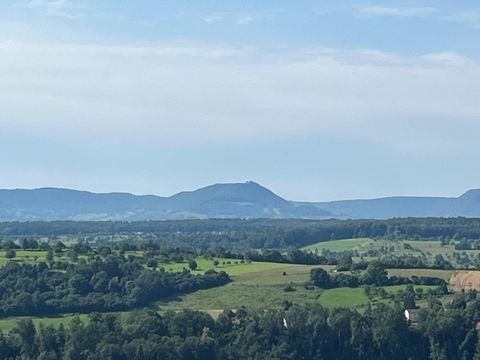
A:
(409, 297)
(50, 256)
(10, 254)
(192, 264)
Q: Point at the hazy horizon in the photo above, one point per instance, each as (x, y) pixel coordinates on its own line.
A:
(208, 185)
(316, 100)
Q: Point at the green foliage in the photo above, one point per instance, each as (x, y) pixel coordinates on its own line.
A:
(10, 254)
(294, 332)
(50, 255)
(192, 264)
(376, 273)
(110, 284)
(320, 278)
(244, 235)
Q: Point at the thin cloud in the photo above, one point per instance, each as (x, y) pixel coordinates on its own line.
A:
(241, 18)
(387, 11)
(210, 19)
(247, 18)
(448, 58)
(470, 17)
(205, 92)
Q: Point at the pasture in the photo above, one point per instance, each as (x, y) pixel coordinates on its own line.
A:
(356, 297)
(26, 256)
(255, 289)
(341, 245)
(368, 249)
(345, 297)
(261, 285)
(397, 247)
(230, 266)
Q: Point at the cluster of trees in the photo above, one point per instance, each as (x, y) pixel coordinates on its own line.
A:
(25, 244)
(243, 235)
(465, 244)
(102, 284)
(416, 262)
(294, 256)
(375, 274)
(295, 332)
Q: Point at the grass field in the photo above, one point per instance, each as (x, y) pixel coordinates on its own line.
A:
(255, 285)
(344, 297)
(396, 246)
(260, 285)
(341, 245)
(255, 289)
(24, 256)
(234, 268)
(9, 323)
(425, 248)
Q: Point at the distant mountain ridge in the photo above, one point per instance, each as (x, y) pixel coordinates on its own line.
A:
(237, 200)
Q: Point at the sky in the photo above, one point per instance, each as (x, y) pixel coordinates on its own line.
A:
(316, 100)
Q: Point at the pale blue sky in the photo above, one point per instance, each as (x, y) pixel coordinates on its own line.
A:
(317, 100)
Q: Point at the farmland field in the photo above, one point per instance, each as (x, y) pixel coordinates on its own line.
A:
(258, 285)
(343, 297)
(356, 297)
(252, 289)
(398, 247)
(254, 285)
(341, 245)
(24, 256)
(230, 266)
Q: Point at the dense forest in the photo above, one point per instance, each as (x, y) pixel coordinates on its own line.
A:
(295, 332)
(244, 235)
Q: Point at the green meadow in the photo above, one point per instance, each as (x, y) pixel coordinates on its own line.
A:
(261, 285)
(341, 245)
(345, 297)
(230, 266)
(28, 256)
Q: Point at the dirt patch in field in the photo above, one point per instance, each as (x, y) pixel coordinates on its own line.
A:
(465, 280)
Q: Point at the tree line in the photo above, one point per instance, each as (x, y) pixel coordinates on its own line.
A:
(243, 235)
(375, 274)
(305, 332)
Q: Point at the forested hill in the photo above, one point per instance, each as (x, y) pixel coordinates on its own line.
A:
(241, 200)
